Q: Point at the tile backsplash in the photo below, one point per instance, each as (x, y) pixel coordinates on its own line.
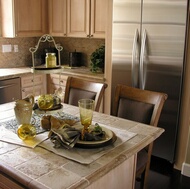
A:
(23, 56)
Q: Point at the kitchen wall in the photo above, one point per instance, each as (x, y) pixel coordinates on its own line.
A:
(23, 56)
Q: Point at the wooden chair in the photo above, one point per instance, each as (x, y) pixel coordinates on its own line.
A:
(77, 89)
(142, 106)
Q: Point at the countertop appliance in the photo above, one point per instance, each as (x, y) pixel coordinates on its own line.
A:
(148, 43)
(10, 90)
(75, 59)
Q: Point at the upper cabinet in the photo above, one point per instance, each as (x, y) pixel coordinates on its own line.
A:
(98, 18)
(78, 18)
(57, 17)
(24, 18)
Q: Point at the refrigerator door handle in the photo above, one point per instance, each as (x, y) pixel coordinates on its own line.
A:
(143, 60)
(135, 60)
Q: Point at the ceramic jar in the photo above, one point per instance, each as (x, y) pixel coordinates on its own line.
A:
(23, 110)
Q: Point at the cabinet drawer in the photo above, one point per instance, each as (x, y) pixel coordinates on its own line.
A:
(31, 80)
(36, 91)
(57, 79)
(33, 84)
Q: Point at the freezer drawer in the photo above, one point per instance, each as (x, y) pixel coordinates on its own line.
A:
(10, 90)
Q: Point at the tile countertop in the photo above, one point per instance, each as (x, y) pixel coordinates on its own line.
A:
(8, 73)
(42, 169)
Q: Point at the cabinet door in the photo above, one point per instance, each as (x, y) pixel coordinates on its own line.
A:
(24, 18)
(98, 18)
(57, 17)
(55, 81)
(33, 84)
(78, 18)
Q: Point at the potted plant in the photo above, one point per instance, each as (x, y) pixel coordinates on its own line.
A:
(97, 60)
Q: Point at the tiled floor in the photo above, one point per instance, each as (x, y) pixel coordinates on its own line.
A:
(163, 176)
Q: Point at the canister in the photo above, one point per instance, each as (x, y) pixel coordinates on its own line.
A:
(75, 59)
(50, 60)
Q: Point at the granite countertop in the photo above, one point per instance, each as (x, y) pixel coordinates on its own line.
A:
(40, 168)
(8, 73)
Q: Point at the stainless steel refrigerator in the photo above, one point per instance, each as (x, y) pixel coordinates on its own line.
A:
(148, 43)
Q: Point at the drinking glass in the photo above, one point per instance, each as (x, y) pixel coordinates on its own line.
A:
(86, 108)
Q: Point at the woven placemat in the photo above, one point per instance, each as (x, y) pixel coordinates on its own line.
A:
(35, 120)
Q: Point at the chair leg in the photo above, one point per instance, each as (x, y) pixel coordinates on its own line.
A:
(142, 180)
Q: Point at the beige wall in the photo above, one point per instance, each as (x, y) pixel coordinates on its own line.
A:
(23, 57)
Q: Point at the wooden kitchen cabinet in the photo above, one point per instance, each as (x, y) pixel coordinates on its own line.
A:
(33, 84)
(24, 18)
(74, 18)
(57, 17)
(86, 18)
(54, 82)
(98, 18)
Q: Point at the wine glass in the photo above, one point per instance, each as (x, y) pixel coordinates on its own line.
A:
(86, 108)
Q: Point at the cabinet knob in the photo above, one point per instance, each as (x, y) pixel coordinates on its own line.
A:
(88, 36)
(91, 36)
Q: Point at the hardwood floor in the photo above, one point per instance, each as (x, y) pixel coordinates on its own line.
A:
(162, 175)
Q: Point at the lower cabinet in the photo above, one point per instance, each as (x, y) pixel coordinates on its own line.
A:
(33, 84)
(54, 81)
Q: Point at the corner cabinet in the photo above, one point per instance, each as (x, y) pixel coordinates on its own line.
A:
(74, 18)
(24, 18)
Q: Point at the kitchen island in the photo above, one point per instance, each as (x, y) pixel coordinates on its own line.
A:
(23, 167)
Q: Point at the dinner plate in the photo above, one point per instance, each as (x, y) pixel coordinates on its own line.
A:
(109, 139)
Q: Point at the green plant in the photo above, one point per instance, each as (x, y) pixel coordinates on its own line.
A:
(97, 59)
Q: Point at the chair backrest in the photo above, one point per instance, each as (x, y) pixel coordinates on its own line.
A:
(77, 88)
(138, 105)
(142, 106)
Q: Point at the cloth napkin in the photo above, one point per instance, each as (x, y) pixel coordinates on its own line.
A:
(65, 136)
(61, 133)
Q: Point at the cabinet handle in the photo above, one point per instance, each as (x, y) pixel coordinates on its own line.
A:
(23, 90)
(32, 80)
(91, 36)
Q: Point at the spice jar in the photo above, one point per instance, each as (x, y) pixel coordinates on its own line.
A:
(50, 60)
